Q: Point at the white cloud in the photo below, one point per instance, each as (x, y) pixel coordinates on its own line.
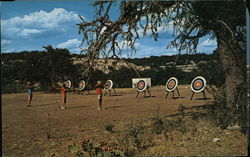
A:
(153, 50)
(27, 32)
(52, 19)
(5, 42)
(72, 44)
(164, 28)
(6, 46)
(124, 44)
(69, 44)
(38, 22)
(209, 43)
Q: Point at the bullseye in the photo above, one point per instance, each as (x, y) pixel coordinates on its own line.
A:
(171, 84)
(197, 84)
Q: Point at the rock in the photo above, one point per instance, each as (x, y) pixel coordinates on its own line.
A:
(216, 139)
(227, 133)
(234, 127)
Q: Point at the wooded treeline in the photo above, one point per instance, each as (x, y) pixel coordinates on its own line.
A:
(47, 68)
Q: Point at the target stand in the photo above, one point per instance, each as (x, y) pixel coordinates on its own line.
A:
(108, 87)
(141, 86)
(82, 88)
(198, 85)
(171, 86)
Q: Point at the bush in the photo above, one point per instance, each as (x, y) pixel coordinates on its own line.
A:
(138, 137)
(10, 87)
(103, 149)
(109, 127)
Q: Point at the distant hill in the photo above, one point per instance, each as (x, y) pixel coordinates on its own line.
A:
(181, 59)
(185, 62)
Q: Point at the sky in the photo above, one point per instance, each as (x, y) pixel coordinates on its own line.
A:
(29, 25)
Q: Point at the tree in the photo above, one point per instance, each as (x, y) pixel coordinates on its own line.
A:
(191, 20)
(58, 64)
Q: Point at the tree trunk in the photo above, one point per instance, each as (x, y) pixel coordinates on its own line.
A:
(52, 82)
(233, 62)
(52, 76)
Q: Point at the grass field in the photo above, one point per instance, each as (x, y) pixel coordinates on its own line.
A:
(25, 130)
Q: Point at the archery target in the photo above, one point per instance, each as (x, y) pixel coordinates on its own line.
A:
(171, 84)
(135, 81)
(68, 84)
(108, 85)
(82, 85)
(141, 85)
(198, 84)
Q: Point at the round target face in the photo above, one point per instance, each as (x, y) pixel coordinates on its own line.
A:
(82, 85)
(171, 84)
(108, 85)
(141, 85)
(198, 84)
(68, 84)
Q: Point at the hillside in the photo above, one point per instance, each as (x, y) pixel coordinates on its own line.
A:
(185, 63)
(108, 65)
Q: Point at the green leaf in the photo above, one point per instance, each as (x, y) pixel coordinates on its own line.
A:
(107, 154)
(119, 153)
(73, 148)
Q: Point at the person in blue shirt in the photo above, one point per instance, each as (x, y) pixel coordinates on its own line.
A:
(30, 88)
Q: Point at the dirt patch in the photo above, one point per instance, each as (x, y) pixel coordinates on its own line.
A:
(25, 130)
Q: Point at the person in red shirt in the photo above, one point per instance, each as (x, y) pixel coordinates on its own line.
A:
(98, 92)
(64, 96)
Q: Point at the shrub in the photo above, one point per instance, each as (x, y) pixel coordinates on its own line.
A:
(103, 149)
(139, 137)
(109, 128)
(179, 124)
(157, 125)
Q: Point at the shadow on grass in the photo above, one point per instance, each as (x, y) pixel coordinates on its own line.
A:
(40, 105)
(148, 97)
(175, 97)
(86, 94)
(114, 95)
(194, 115)
(201, 111)
(201, 98)
(110, 107)
(72, 107)
(206, 106)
